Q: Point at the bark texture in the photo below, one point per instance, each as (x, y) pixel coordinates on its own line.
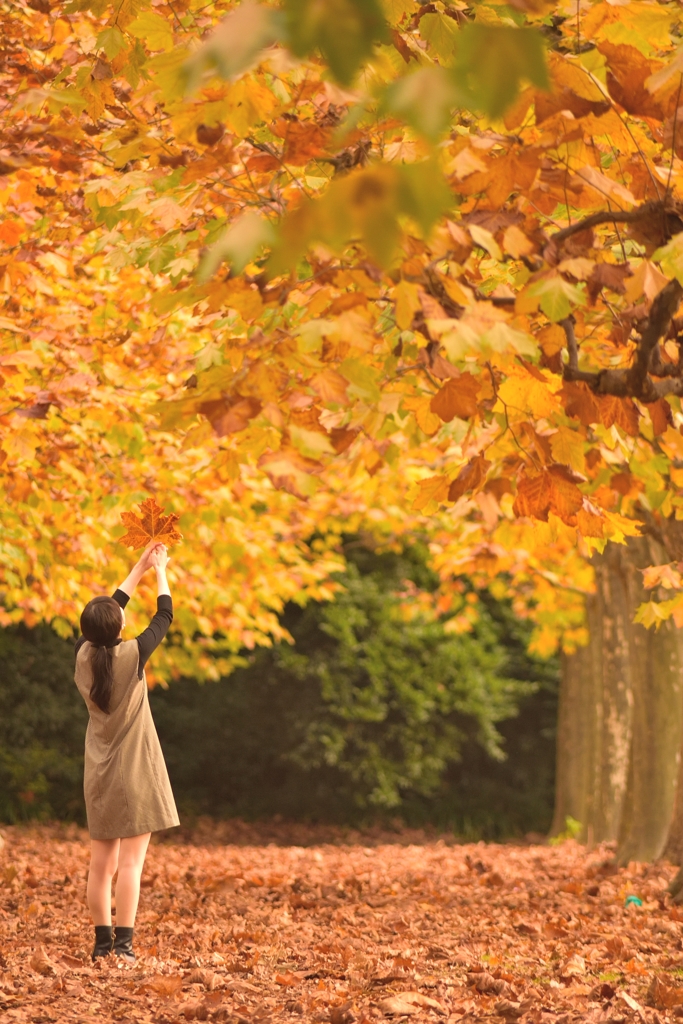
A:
(621, 716)
(577, 727)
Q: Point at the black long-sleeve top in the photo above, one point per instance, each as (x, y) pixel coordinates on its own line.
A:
(150, 638)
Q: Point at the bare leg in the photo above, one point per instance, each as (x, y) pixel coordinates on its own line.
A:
(104, 855)
(131, 860)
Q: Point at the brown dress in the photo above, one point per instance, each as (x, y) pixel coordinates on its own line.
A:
(126, 785)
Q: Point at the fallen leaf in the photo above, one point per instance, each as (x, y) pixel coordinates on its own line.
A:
(573, 967)
(404, 1003)
(42, 963)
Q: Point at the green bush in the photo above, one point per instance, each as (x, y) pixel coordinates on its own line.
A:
(42, 727)
(370, 715)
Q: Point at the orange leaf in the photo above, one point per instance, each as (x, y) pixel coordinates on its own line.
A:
(534, 494)
(470, 477)
(580, 402)
(342, 438)
(290, 471)
(589, 523)
(11, 231)
(456, 398)
(565, 499)
(228, 415)
(426, 419)
(152, 525)
(433, 488)
(622, 411)
(331, 386)
(660, 414)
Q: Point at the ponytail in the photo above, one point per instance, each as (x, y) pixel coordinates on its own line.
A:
(102, 677)
(101, 625)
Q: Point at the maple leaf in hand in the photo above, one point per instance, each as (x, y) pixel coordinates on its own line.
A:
(151, 525)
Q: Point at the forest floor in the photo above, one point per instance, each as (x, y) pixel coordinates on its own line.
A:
(353, 928)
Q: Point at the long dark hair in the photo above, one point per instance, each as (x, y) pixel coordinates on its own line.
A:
(101, 625)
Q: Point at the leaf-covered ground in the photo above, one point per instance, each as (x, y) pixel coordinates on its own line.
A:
(299, 925)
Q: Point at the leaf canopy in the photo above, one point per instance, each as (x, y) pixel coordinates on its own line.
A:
(303, 268)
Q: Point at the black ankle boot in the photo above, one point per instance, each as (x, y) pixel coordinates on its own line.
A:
(123, 943)
(104, 940)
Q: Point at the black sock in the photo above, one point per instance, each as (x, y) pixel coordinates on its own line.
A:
(103, 940)
(123, 940)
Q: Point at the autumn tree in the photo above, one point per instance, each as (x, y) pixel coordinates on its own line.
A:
(412, 266)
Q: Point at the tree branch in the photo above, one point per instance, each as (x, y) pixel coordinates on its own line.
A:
(567, 326)
(663, 308)
(609, 216)
(634, 381)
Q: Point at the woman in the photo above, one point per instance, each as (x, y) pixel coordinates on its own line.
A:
(127, 791)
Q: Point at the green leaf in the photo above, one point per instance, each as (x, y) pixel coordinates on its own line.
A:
(423, 193)
(556, 297)
(362, 379)
(235, 44)
(396, 10)
(493, 61)
(344, 31)
(310, 443)
(154, 29)
(112, 41)
(442, 34)
(670, 257)
(424, 99)
(364, 205)
(239, 244)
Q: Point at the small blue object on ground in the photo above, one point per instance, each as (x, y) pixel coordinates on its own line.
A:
(634, 901)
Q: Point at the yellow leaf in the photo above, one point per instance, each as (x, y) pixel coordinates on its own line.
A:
(485, 240)
(407, 304)
(426, 419)
(245, 298)
(647, 281)
(21, 444)
(311, 443)
(467, 162)
(607, 186)
(153, 29)
(457, 291)
(567, 448)
(528, 396)
(432, 489)
(579, 267)
(672, 443)
(516, 242)
(249, 102)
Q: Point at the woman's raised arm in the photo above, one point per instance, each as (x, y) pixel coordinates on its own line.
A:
(151, 637)
(139, 569)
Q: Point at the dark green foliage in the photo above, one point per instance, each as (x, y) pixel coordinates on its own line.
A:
(42, 727)
(373, 713)
(483, 798)
(369, 715)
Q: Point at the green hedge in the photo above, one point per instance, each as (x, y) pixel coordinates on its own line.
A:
(373, 714)
(42, 727)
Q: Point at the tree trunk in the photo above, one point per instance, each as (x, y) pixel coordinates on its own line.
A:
(621, 715)
(614, 692)
(656, 741)
(576, 734)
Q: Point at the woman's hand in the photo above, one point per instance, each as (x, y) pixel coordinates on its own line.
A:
(144, 562)
(159, 558)
(145, 559)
